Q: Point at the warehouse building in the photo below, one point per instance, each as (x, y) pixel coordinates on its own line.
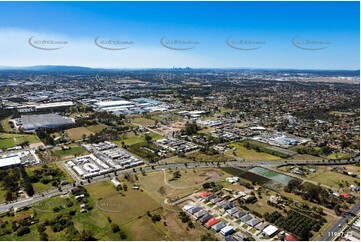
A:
(33, 122)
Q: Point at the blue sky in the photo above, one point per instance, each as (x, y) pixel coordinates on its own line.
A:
(209, 24)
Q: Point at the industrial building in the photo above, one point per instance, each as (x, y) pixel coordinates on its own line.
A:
(137, 105)
(33, 122)
(106, 157)
(17, 158)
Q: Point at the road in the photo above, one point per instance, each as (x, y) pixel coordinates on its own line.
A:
(336, 228)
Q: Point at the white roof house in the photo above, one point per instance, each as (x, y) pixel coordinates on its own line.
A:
(232, 179)
(189, 206)
(227, 230)
(270, 230)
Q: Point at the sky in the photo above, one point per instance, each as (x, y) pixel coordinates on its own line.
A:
(286, 35)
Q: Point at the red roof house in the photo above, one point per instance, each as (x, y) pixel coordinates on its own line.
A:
(345, 195)
(212, 222)
(21, 217)
(205, 194)
(291, 237)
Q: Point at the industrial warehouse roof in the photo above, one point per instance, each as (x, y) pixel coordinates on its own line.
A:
(10, 161)
(113, 103)
(33, 122)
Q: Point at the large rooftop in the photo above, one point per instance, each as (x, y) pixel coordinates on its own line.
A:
(33, 122)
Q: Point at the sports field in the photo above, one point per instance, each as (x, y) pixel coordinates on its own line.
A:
(280, 178)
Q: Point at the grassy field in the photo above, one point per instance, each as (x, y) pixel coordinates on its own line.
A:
(261, 205)
(2, 195)
(40, 187)
(199, 156)
(6, 125)
(93, 220)
(250, 154)
(96, 128)
(177, 159)
(144, 121)
(193, 177)
(281, 152)
(77, 133)
(331, 178)
(10, 140)
(6, 142)
(339, 156)
(132, 139)
(130, 205)
(305, 157)
(205, 130)
(75, 150)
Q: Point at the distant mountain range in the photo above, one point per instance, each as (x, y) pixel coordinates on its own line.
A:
(60, 68)
(52, 68)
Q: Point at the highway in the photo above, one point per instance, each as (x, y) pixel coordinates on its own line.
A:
(338, 227)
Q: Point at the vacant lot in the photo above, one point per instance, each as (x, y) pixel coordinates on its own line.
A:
(191, 178)
(45, 183)
(144, 121)
(78, 133)
(200, 156)
(339, 156)
(132, 139)
(121, 208)
(93, 220)
(273, 150)
(2, 196)
(250, 154)
(75, 150)
(96, 128)
(332, 179)
(10, 140)
(6, 125)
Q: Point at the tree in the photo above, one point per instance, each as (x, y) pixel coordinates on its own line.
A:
(115, 228)
(148, 138)
(9, 196)
(87, 235)
(23, 230)
(337, 209)
(123, 236)
(43, 236)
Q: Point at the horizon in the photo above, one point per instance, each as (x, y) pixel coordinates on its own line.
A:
(2, 68)
(143, 35)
